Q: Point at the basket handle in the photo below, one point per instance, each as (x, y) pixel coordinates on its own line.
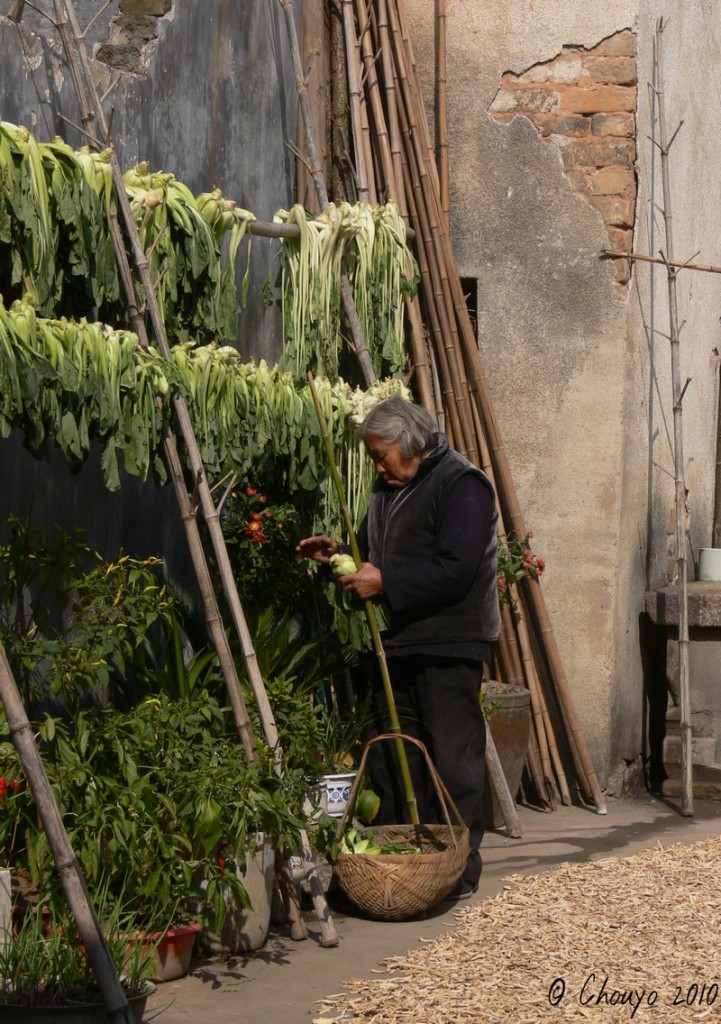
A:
(444, 796)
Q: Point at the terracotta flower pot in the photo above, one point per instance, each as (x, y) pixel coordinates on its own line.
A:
(172, 952)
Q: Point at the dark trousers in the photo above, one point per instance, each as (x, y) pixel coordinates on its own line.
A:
(437, 703)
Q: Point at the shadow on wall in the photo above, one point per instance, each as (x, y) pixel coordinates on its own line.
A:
(142, 519)
(652, 645)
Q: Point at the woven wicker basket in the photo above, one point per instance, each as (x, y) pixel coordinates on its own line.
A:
(396, 887)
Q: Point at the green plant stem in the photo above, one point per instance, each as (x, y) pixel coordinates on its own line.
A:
(369, 610)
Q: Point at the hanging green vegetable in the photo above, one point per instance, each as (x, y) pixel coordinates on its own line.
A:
(56, 246)
(65, 381)
(370, 244)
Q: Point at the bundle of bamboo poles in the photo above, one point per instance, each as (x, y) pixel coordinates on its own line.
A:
(394, 159)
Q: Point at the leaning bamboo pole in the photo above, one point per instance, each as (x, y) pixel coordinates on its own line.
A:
(446, 308)
(21, 733)
(442, 110)
(664, 146)
(360, 129)
(512, 511)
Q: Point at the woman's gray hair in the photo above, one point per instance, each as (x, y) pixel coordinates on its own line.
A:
(397, 421)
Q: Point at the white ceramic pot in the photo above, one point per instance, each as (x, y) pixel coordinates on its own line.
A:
(709, 564)
(335, 792)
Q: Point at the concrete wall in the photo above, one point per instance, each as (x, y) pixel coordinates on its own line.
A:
(582, 389)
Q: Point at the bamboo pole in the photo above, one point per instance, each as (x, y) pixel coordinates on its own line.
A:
(16, 11)
(664, 146)
(361, 142)
(532, 595)
(382, 138)
(392, 169)
(66, 863)
(708, 268)
(453, 426)
(428, 227)
(64, 14)
(391, 98)
(442, 110)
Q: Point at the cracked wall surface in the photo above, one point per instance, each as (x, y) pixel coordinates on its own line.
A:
(584, 102)
(133, 35)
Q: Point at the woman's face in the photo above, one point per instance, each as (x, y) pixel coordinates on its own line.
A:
(391, 466)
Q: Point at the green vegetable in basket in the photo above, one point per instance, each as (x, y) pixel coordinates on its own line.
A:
(367, 805)
(357, 840)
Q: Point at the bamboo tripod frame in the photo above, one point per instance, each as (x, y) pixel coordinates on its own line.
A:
(446, 368)
(664, 145)
(68, 868)
(85, 87)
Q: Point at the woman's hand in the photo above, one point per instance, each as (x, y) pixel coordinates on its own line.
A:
(366, 583)
(319, 548)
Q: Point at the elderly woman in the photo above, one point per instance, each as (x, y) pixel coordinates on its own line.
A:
(429, 547)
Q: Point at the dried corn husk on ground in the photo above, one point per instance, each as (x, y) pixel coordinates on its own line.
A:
(634, 938)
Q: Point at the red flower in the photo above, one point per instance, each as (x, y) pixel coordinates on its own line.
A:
(15, 784)
(3, 789)
(268, 513)
(253, 526)
(262, 499)
(250, 491)
(540, 562)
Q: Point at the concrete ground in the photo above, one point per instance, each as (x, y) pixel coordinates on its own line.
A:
(280, 983)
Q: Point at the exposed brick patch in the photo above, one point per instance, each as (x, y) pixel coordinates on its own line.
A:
(584, 102)
(133, 34)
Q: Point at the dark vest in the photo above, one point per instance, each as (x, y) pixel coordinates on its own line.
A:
(401, 525)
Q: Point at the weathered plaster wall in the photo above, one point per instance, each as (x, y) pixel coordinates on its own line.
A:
(581, 383)
(215, 105)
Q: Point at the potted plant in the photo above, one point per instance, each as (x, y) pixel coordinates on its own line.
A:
(160, 788)
(45, 974)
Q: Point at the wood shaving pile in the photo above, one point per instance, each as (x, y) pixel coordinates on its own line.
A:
(619, 939)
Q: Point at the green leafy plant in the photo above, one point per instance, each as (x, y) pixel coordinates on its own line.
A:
(515, 561)
(46, 964)
(70, 621)
(167, 663)
(159, 789)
